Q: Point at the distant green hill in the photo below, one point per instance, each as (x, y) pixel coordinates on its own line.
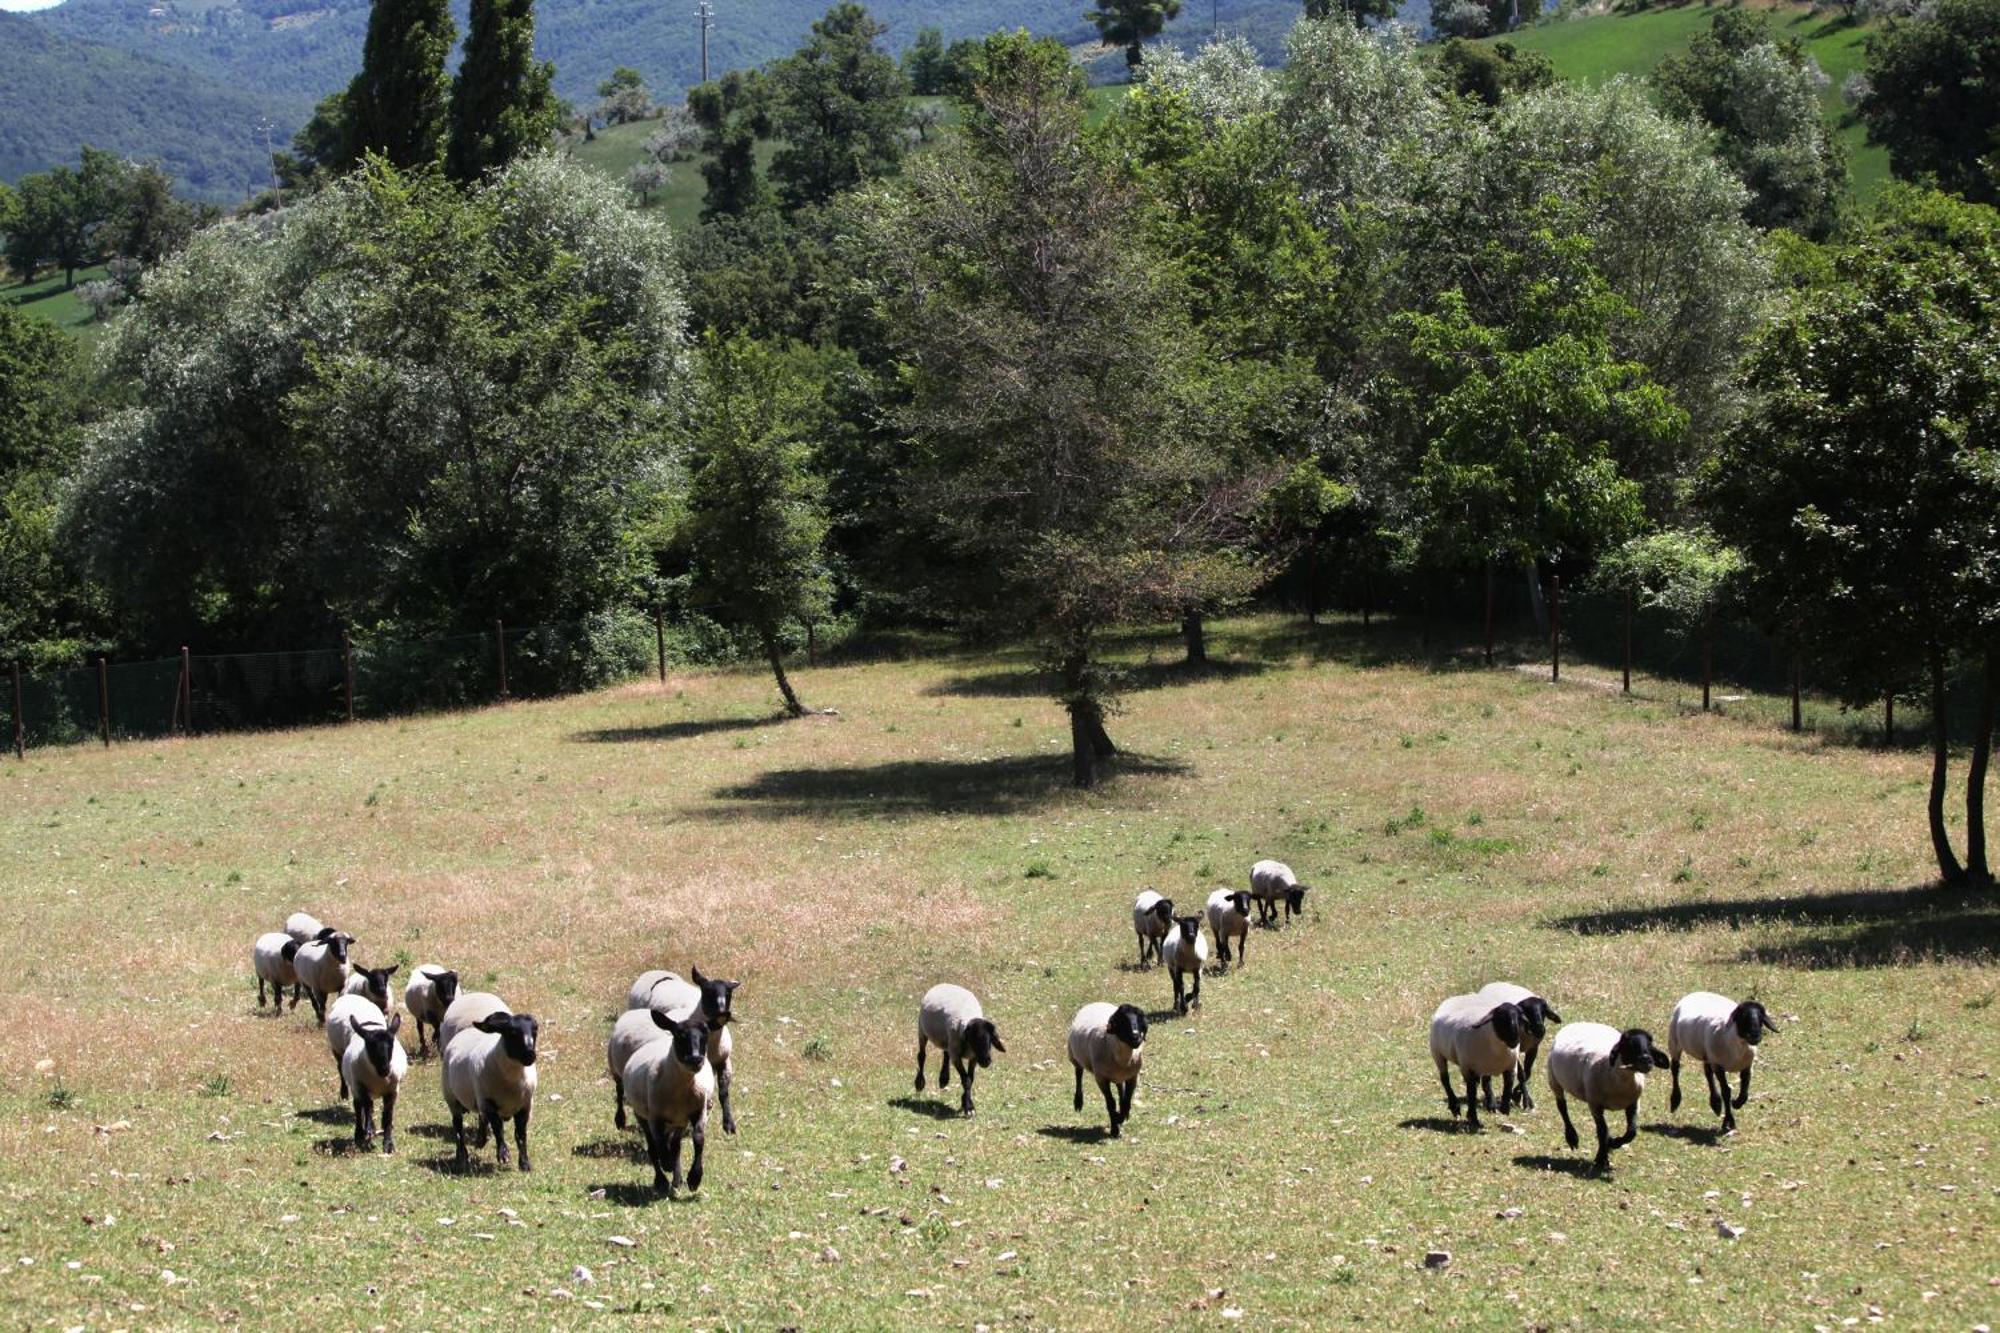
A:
(1601, 46)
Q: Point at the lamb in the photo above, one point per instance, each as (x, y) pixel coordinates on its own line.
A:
(1272, 882)
(373, 1068)
(671, 1085)
(271, 959)
(372, 982)
(489, 1070)
(321, 966)
(429, 993)
(1482, 1038)
(1536, 1015)
(966, 1039)
(1605, 1069)
(303, 927)
(1229, 918)
(666, 991)
(1724, 1036)
(346, 1015)
(1152, 918)
(634, 1030)
(1109, 1040)
(1185, 952)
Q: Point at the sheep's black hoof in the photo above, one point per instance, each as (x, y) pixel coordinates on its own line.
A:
(729, 1124)
(1715, 1105)
(1569, 1137)
(388, 1146)
(660, 1185)
(920, 1083)
(618, 1121)
(1674, 1102)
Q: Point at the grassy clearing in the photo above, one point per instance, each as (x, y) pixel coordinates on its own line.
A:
(53, 299)
(1287, 1148)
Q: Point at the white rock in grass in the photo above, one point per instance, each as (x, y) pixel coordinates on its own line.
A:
(622, 1242)
(1727, 1230)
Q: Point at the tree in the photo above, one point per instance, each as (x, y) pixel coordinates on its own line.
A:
(322, 148)
(47, 610)
(60, 213)
(399, 105)
(1359, 11)
(676, 138)
(838, 106)
(146, 222)
(623, 98)
(1131, 23)
(1762, 99)
(1932, 99)
(733, 113)
(1862, 487)
(1685, 573)
(756, 522)
(1493, 72)
(924, 64)
(1458, 19)
(1059, 438)
(646, 179)
(501, 106)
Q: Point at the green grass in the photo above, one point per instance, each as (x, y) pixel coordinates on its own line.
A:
(50, 297)
(1288, 1157)
(1601, 46)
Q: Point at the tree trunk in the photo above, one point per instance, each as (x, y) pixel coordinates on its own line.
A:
(777, 660)
(1088, 740)
(1312, 582)
(1196, 635)
(1489, 613)
(1975, 778)
(1948, 867)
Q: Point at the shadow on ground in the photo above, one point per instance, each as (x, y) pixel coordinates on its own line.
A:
(677, 731)
(630, 1149)
(638, 1194)
(1864, 928)
(336, 1114)
(1706, 1136)
(1567, 1166)
(1436, 1124)
(1032, 683)
(936, 786)
(925, 1106)
(1075, 1133)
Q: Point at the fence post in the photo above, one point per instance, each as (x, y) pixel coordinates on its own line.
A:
(660, 641)
(20, 728)
(187, 691)
(1797, 721)
(1889, 722)
(104, 702)
(1707, 655)
(812, 644)
(1628, 639)
(1555, 627)
(1489, 612)
(500, 654)
(347, 669)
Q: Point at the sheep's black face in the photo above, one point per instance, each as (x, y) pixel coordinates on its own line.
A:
(1240, 901)
(337, 946)
(1128, 1024)
(1635, 1050)
(1164, 910)
(1751, 1022)
(1295, 897)
(445, 984)
(517, 1034)
(380, 1045)
(378, 983)
(715, 998)
(981, 1040)
(1536, 1016)
(691, 1043)
(1507, 1023)
(1190, 926)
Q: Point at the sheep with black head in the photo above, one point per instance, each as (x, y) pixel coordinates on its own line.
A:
(373, 1069)
(1185, 954)
(966, 1038)
(670, 1084)
(1152, 920)
(1483, 1039)
(1536, 1015)
(1606, 1070)
(489, 1072)
(1723, 1035)
(715, 999)
(1229, 919)
(1109, 1041)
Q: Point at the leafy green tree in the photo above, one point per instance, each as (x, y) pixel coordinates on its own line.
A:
(623, 97)
(1686, 573)
(1862, 486)
(924, 64)
(1132, 23)
(399, 105)
(756, 525)
(322, 148)
(1932, 96)
(733, 113)
(46, 608)
(1061, 442)
(60, 213)
(838, 106)
(1492, 72)
(501, 106)
(1360, 11)
(1760, 96)
(10, 208)
(146, 221)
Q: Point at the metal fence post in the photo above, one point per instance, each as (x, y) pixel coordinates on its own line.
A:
(20, 728)
(104, 702)
(1707, 656)
(1555, 627)
(1628, 640)
(1889, 722)
(1797, 721)
(347, 669)
(660, 641)
(500, 653)
(187, 691)
(1489, 613)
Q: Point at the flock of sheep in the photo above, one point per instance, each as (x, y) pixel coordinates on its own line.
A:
(670, 1055)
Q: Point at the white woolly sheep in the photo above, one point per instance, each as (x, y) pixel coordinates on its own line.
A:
(1109, 1041)
(321, 967)
(1229, 919)
(670, 1085)
(1271, 883)
(1723, 1035)
(1483, 1039)
(489, 1071)
(715, 998)
(1152, 919)
(634, 1029)
(966, 1039)
(346, 1014)
(373, 982)
(1536, 1015)
(429, 993)
(1185, 954)
(1606, 1070)
(373, 1069)
(303, 926)
(271, 959)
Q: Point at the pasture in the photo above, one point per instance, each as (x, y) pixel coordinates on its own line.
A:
(170, 1157)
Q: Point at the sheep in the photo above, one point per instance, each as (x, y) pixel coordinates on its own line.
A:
(966, 1039)
(344, 1016)
(489, 1070)
(1152, 918)
(666, 991)
(1482, 1038)
(271, 959)
(1536, 1015)
(1185, 952)
(427, 996)
(634, 1029)
(670, 1085)
(321, 966)
(1272, 882)
(303, 927)
(372, 982)
(1606, 1070)
(1723, 1035)
(1110, 1041)
(373, 1068)
(1229, 918)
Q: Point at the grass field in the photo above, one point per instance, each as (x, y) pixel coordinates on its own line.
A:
(170, 1158)
(1600, 46)
(53, 299)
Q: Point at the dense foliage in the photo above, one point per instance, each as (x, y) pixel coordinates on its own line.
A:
(1934, 96)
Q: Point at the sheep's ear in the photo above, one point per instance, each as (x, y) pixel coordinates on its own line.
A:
(390, 971)
(1659, 1060)
(731, 986)
(290, 951)
(1553, 1016)
(699, 979)
(998, 1044)
(1769, 1026)
(495, 1023)
(395, 1023)
(660, 1020)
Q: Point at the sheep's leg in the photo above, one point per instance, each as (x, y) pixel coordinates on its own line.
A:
(1562, 1109)
(458, 1132)
(699, 1133)
(1715, 1097)
(965, 1088)
(1742, 1089)
(1450, 1093)
(1486, 1093)
(1674, 1099)
(1243, 946)
(1506, 1089)
(1180, 992)
(422, 1049)
(618, 1091)
(1471, 1101)
(520, 1136)
(1604, 1145)
(674, 1157)
(944, 1067)
(1195, 999)
(725, 1076)
(389, 1121)
(260, 995)
(361, 1134)
(922, 1047)
(1521, 1097)
(295, 995)
(490, 1114)
(340, 1072)
(1631, 1127)
(1125, 1091)
(1079, 1084)
(1110, 1105)
(1142, 950)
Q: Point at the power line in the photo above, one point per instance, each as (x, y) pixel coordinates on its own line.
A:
(706, 13)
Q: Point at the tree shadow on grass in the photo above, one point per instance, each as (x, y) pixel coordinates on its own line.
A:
(677, 731)
(442, 1133)
(1034, 683)
(973, 786)
(1436, 1124)
(1705, 1135)
(1859, 929)
(326, 1115)
(1076, 1133)
(1566, 1166)
(925, 1106)
(628, 1149)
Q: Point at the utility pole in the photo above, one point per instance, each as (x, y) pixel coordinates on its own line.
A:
(706, 13)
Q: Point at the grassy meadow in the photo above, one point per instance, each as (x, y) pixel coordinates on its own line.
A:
(52, 298)
(171, 1157)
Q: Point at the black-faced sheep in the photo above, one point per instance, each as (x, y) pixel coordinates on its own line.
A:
(1109, 1040)
(966, 1039)
(1606, 1070)
(1723, 1035)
